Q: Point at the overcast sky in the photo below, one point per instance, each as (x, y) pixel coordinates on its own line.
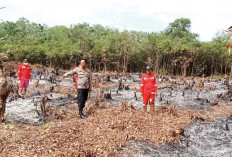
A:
(207, 16)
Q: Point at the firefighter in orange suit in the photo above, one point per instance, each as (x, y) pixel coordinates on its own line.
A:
(148, 89)
(24, 75)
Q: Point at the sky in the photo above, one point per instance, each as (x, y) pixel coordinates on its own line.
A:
(207, 16)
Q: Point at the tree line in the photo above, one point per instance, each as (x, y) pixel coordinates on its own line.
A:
(175, 50)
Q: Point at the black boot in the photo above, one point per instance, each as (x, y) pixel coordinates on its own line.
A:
(82, 116)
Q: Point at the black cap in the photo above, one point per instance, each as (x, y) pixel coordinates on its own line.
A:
(148, 68)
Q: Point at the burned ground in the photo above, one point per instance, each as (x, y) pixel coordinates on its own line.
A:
(192, 118)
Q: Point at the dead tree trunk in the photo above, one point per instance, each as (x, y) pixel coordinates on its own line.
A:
(41, 102)
(100, 95)
(4, 92)
(120, 85)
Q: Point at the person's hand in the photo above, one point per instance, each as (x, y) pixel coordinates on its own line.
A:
(154, 93)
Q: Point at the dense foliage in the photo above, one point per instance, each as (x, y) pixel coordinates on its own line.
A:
(174, 51)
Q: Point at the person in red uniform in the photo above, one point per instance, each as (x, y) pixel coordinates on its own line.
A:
(76, 83)
(148, 89)
(24, 75)
(75, 78)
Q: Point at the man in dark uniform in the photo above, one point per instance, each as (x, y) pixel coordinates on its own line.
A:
(83, 85)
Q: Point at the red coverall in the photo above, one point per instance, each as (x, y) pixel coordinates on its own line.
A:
(148, 88)
(24, 75)
(75, 77)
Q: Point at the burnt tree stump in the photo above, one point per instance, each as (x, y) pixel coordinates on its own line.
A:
(40, 103)
(108, 95)
(126, 87)
(108, 78)
(120, 85)
(135, 96)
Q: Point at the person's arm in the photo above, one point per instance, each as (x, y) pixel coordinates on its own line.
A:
(155, 85)
(142, 85)
(19, 71)
(72, 72)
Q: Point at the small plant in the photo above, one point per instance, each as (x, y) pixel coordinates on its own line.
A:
(46, 126)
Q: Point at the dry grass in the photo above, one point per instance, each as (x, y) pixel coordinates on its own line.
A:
(106, 129)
